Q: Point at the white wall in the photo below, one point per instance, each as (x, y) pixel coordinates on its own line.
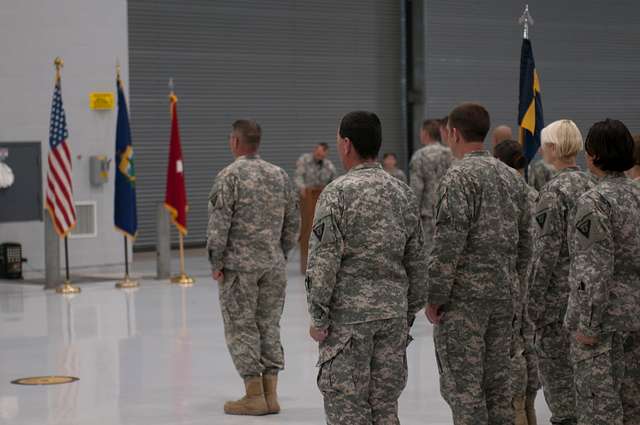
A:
(89, 35)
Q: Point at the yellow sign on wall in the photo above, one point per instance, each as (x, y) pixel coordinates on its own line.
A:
(101, 101)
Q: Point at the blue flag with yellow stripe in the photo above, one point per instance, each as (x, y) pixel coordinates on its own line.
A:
(124, 211)
(530, 118)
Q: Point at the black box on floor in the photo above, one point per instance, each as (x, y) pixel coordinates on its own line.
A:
(11, 260)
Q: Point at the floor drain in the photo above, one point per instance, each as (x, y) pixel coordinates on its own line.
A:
(45, 380)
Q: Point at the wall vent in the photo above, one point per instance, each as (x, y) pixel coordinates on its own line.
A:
(87, 221)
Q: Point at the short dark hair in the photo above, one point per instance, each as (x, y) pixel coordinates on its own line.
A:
(389, 154)
(510, 152)
(248, 131)
(444, 121)
(365, 132)
(324, 145)
(471, 120)
(636, 149)
(611, 145)
(432, 128)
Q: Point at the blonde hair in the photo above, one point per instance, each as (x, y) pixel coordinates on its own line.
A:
(565, 136)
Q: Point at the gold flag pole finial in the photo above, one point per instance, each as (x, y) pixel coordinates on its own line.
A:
(525, 20)
(172, 95)
(59, 63)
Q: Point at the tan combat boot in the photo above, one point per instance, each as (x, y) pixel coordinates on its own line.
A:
(530, 407)
(519, 408)
(270, 384)
(253, 403)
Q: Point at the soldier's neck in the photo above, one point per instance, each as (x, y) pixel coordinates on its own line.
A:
(464, 148)
(561, 165)
(634, 173)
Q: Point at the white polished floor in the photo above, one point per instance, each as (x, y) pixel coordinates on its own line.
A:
(157, 356)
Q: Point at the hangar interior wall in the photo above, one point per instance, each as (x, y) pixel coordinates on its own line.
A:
(586, 55)
(89, 35)
(295, 66)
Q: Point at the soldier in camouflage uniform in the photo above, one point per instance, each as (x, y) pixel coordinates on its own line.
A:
(548, 280)
(313, 172)
(524, 361)
(481, 250)
(253, 224)
(540, 172)
(426, 168)
(604, 305)
(390, 165)
(365, 281)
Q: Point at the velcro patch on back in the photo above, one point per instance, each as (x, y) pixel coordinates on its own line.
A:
(318, 230)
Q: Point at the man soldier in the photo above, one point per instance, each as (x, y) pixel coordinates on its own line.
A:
(313, 172)
(426, 168)
(365, 281)
(253, 224)
(500, 134)
(480, 252)
(603, 313)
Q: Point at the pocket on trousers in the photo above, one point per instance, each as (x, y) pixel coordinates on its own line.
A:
(336, 365)
(552, 341)
(593, 369)
(228, 302)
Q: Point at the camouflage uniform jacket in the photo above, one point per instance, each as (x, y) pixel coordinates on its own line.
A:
(548, 280)
(312, 173)
(253, 216)
(605, 273)
(482, 236)
(427, 167)
(539, 174)
(366, 259)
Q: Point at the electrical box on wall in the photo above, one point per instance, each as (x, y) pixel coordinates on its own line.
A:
(99, 169)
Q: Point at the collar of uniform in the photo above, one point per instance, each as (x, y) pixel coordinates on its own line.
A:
(569, 169)
(614, 176)
(252, 156)
(366, 165)
(477, 153)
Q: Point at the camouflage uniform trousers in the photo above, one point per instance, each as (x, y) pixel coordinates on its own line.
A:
(524, 361)
(556, 372)
(363, 370)
(473, 344)
(252, 304)
(607, 378)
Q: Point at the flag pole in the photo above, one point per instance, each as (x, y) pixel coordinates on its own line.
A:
(66, 288)
(127, 282)
(525, 20)
(183, 278)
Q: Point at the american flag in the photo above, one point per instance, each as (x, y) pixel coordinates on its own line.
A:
(59, 185)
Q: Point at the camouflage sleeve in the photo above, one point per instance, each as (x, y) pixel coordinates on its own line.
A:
(291, 224)
(416, 179)
(299, 178)
(453, 220)
(325, 254)
(594, 260)
(221, 206)
(549, 233)
(415, 263)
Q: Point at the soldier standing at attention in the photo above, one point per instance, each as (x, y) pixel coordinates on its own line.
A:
(313, 172)
(604, 305)
(548, 280)
(253, 224)
(426, 168)
(365, 281)
(481, 249)
(390, 165)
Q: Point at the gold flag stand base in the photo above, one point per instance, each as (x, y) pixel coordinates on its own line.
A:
(183, 279)
(127, 283)
(67, 288)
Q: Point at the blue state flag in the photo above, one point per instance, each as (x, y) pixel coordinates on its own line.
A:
(124, 211)
(530, 119)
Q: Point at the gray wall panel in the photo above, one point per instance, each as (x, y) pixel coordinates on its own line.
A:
(295, 66)
(586, 54)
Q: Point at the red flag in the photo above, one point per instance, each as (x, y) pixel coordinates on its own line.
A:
(176, 197)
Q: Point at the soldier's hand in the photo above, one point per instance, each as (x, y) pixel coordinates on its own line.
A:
(318, 334)
(218, 276)
(586, 340)
(434, 313)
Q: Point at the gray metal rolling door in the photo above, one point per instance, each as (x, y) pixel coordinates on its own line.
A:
(295, 66)
(586, 53)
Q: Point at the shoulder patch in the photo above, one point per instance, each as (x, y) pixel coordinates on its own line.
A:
(541, 218)
(318, 230)
(584, 226)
